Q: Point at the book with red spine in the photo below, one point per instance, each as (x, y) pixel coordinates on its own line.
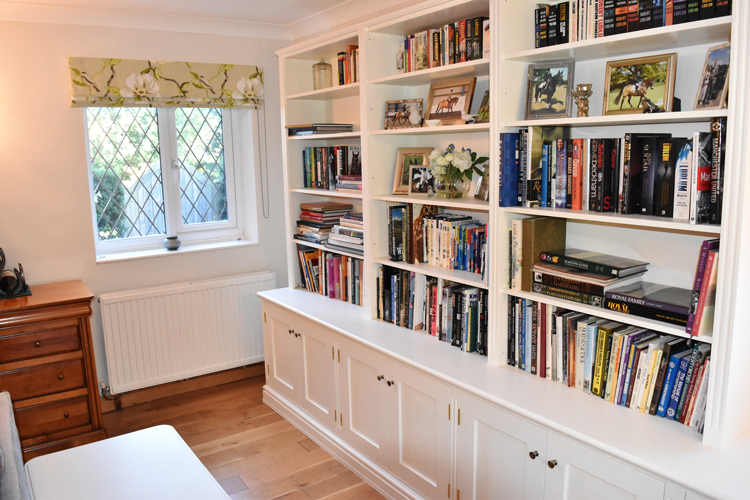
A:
(700, 274)
(579, 157)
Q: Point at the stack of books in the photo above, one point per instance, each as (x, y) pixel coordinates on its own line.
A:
(347, 183)
(319, 128)
(629, 366)
(348, 235)
(542, 167)
(449, 311)
(318, 219)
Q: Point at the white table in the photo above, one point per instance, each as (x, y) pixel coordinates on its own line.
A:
(153, 463)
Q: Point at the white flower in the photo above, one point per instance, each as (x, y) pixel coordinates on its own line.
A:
(248, 89)
(462, 161)
(436, 153)
(449, 157)
(438, 171)
(441, 161)
(140, 86)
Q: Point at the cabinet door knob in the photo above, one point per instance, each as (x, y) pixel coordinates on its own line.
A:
(551, 464)
(60, 377)
(533, 454)
(291, 331)
(381, 377)
(390, 383)
(38, 344)
(297, 334)
(66, 414)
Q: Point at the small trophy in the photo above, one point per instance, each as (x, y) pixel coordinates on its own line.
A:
(582, 93)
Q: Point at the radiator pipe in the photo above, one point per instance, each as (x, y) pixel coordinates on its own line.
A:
(106, 394)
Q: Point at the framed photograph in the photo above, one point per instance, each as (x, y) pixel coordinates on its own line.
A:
(549, 90)
(483, 185)
(449, 100)
(712, 90)
(421, 180)
(406, 113)
(483, 115)
(634, 84)
(405, 159)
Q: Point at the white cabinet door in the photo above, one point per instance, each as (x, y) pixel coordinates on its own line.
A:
(362, 396)
(283, 354)
(499, 456)
(420, 430)
(575, 471)
(318, 384)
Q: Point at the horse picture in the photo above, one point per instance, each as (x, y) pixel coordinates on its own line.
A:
(449, 101)
(549, 91)
(403, 114)
(638, 85)
(712, 92)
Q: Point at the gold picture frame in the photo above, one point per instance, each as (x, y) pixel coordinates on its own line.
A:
(714, 83)
(405, 159)
(447, 101)
(399, 114)
(639, 81)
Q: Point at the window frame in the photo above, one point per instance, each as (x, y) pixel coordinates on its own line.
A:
(200, 233)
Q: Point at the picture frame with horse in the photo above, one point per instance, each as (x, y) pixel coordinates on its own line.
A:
(714, 82)
(447, 101)
(640, 84)
(406, 158)
(406, 113)
(549, 93)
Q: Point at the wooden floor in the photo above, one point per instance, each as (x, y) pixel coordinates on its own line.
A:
(251, 450)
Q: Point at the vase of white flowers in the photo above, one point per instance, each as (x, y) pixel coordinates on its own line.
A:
(453, 170)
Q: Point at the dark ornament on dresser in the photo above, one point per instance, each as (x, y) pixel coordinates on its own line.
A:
(12, 282)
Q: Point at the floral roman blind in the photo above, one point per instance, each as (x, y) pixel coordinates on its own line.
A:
(131, 82)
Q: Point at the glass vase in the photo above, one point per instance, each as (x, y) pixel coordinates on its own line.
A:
(451, 188)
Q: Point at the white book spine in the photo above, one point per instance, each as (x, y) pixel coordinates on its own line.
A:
(694, 179)
(681, 208)
(637, 385)
(527, 338)
(581, 334)
(573, 23)
(657, 361)
(516, 254)
(586, 174)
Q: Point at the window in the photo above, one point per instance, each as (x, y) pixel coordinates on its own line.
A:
(162, 171)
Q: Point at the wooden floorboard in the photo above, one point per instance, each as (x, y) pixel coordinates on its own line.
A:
(251, 450)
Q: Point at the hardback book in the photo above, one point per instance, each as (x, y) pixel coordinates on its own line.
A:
(621, 16)
(723, 8)
(563, 293)
(509, 144)
(693, 10)
(574, 6)
(628, 350)
(680, 14)
(580, 350)
(672, 346)
(609, 17)
(683, 181)
(704, 316)
(678, 364)
(633, 16)
(469, 39)
(538, 137)
(486, 39)
(539, 234)
(319, 128)
(651, 300)
(613, 369)
(596, 177)
(700, 275)
(650, 154)
(718, 153)
(700, 401)
(655, 349)
(578, 280)
(326, 207)
(601, 362)
(631, 377)
(632, 187)
(540, 27)
(691, 377)
(552, 22)
(575, 173)
(595, 262)
(698, 351)
(666, 175)
(668, 12)
(563, 22)
(645, 19)
(707, 9)
(462, 41)
(700, 183)
(561, 175)
(657, 14)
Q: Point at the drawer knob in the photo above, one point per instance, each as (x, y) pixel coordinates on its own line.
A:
(533, 454)
(297, 334)
(390, 383)
(380, 377)
(551, 464)
(60, 377)
(38, 344)
(66, 414)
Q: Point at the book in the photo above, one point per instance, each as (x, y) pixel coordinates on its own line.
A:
(666, 172)
(318, 128)
(595, 262)
(636, 349)
(508, 161)
(682, 362)
(707, 9)
(671, 346)
(718, 153)
(632, 167)
(673, 368)
(645, 295)
(650, 149)
(539, 234)
(645, 19)
(700, 271)
(683, 181)
(699, 406)
(683, 407)
(563, 22)
(700, 186)
(704, 316)
(601, 362)
(577, 279)
(679, 9)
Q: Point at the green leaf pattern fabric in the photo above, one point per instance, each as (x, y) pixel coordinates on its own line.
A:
(131, 82)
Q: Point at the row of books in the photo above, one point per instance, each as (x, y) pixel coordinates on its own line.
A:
(450, 312)
(456, 42)
(335, 276)
(629, 366)
(577, 20)
(419, 234)
(348, 65)
(332, 167)
(646, 174)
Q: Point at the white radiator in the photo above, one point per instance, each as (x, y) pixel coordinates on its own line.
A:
(158, 335)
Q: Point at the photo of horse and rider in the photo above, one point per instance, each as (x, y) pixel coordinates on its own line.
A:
(447, 101)
(638, 84)
(406, 113)
(549, 90)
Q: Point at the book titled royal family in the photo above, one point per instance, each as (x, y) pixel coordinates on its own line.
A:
(654, 174)
(628, 366)
(578, 20)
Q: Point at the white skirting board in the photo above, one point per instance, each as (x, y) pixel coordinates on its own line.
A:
(159, 335)
(379, 478)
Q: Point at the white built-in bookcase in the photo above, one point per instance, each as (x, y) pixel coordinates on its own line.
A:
(670, 246)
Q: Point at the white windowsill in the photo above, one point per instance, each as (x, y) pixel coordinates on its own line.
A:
(163, 252)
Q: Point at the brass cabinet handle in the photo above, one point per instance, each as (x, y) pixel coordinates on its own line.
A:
(380, 377)
(390, 383)
(38, 344)
(66, 414)
(291, 331)
(297, 334)
(60, 377)
(533, 454)
(551, 464)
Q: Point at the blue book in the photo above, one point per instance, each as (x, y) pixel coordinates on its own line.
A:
(682, 361)
(509, 169)
(561, 174)
(669, 378)
(522, 335)
(545, 174)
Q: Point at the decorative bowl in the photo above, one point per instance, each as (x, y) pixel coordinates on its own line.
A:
(432, 123)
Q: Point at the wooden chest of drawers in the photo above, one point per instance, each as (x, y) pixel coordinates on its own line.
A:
(47, 366)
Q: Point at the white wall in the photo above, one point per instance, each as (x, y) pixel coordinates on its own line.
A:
(45, 212)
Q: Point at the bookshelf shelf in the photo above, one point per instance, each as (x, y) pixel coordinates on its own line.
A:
(466, 203)
(480, 67)
(448, 129)
(649, 222)
(325, 48)
(336, 92)
(628, 119)
(323, 137)
(665, 38)
(325, 192)
(323, 247)
(654, 325)
(463, 277)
